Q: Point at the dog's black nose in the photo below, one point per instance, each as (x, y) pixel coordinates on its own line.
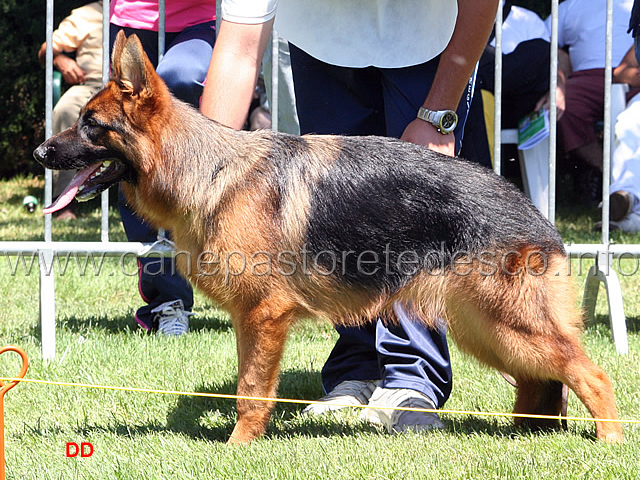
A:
(43, 152)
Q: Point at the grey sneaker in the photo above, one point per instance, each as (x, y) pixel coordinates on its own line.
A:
(399, 421)
(349, 392)
(172, 318)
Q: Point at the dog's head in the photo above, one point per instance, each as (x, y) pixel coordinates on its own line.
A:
(109, 141)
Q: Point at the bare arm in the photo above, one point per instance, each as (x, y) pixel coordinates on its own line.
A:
(239, 49)
(628, 71)
(43, 51)
(457, 62)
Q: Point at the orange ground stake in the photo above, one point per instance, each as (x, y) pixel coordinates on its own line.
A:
(5, 388)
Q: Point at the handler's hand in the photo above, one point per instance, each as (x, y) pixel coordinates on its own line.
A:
(71, 71)
(560, 102)
(423, 133)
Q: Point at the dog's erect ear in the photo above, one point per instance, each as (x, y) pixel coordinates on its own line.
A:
(131, 68)
(116, 53)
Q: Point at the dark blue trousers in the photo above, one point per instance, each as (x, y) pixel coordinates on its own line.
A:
(376, 101)
(183, 68)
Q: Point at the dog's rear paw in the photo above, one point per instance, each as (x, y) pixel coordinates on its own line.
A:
(613, 437)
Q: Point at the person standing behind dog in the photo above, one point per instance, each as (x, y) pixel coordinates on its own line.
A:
(362, 67)
(79, 33)
(190, 35)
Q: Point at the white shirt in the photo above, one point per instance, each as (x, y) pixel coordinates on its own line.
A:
(356, 33)
(582, 28)
(519, 26)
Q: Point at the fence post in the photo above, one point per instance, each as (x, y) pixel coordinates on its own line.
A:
(604, 260)
(601, 272)
(47, 304)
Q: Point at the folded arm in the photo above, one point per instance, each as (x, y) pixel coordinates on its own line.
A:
(628, 71)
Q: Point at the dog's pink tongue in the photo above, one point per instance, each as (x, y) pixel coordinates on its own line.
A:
(70, 192)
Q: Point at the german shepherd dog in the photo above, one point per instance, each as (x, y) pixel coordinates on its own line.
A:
(278, 227)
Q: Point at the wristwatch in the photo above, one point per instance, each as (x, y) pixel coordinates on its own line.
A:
(445, 121)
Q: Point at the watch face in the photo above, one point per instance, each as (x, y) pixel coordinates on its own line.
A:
(448, 121)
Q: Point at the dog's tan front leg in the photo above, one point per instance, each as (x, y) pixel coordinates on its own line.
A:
(260, 340)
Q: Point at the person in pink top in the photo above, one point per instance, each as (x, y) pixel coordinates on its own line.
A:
(190, 35)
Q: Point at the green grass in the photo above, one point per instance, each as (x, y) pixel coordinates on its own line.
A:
(154, 436)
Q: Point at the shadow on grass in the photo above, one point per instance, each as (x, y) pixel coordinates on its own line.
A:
(127, 323)
(191, 415)
(633, 324)
(602, 321)
(495, 427)
(213, 419)
(473, 425)
(186, 417)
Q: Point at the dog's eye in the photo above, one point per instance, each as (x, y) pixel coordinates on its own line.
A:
(91, 128)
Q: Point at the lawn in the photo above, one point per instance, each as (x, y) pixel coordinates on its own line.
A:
(163, 436)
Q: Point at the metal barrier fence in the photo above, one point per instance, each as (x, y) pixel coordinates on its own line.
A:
(603, 254)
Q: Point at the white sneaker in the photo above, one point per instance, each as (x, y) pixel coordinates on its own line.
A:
(172, 318)
(399, 421)
(629, 224)
(349, 392)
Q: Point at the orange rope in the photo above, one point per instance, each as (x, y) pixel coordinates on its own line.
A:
(5, 388)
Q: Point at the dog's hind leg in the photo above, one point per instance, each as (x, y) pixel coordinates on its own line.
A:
(538, 398)
(555, 337)
(541, 361)
(528, 326)
(593, 387)
(260, 336)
